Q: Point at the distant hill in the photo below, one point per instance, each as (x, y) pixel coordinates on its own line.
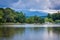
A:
(32, 13)
(40, 16)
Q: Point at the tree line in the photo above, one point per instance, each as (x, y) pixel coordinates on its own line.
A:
(55, 17)
(8, 15)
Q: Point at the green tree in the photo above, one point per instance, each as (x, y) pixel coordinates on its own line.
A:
(1, 15)
(56, 16)
(49, 15)
(9, 15)
(35, 19)
(20, 17)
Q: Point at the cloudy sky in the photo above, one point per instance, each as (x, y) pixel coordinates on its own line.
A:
(32, 5)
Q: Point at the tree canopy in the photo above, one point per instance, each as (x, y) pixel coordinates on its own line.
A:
(8, 15)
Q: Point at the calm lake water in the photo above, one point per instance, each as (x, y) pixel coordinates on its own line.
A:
(28, 33)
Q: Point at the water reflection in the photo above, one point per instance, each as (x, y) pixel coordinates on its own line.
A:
(54, 33)
(29, 33)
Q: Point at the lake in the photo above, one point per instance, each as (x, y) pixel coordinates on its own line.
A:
(29, 33)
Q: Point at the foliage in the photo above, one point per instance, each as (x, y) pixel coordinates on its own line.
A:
(8, 15)
(54, 17)
(57, 21)
(49, 15)
(48, 20)
(34, 19)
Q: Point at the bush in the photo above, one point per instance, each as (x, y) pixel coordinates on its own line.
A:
(57, 21)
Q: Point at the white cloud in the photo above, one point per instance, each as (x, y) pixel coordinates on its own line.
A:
(35, 4)
(50, 11)
(47, 11)
(48, 6)
(55, 4)
(18, 5)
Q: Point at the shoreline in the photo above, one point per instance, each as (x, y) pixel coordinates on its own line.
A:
(26, 23)
(30, 25)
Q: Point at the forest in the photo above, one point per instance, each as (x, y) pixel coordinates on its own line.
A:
(8, 15)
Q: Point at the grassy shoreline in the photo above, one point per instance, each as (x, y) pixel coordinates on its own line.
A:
(17, 23)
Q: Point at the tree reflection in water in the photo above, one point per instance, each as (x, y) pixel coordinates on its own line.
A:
(54, 29)
(24, 33)
(10, 31)
(54, 32)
